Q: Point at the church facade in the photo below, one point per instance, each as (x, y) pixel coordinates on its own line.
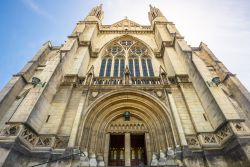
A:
(124, 95)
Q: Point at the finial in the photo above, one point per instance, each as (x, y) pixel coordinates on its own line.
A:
(154, 13)
(97, 12)
(126, 17)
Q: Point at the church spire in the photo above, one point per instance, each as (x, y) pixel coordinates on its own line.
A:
(155, 13)
(95, 13)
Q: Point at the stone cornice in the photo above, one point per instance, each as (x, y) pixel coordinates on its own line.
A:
(126, 31)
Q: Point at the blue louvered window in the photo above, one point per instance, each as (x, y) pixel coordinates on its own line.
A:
(101, 74)
(131, 67)
(144, 68)
(116, 67)
(108, 69)
(121, 67)
(150, 68)
(137, 68)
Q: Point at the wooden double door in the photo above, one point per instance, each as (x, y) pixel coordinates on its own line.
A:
(117, 150)
(138, 150)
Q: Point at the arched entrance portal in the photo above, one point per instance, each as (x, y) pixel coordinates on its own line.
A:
(106, 132)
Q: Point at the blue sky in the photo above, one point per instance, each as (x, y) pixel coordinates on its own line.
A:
(223, 25)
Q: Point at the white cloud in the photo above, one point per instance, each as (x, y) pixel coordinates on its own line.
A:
(32, 5)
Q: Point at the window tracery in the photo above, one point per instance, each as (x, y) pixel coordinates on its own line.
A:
(126, 52)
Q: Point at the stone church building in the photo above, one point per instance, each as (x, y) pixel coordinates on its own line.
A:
(124, 95)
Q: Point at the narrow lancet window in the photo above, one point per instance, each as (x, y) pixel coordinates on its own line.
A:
(144, 68)
(101, 74)
(116, 67)
(150, 68)
(108, 69)
(122, 67)
(137, 68)
(131, 67)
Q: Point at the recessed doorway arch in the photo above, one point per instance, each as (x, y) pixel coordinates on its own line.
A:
(150, 117)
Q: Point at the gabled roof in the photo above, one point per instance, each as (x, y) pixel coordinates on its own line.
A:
(126, 23)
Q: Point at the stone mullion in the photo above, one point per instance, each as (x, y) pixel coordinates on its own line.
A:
(156, 141)
(112, 66)
(166, 136)
(100, 140)
(161, 138)
(164, 139)
(140, 66)
(126, 60)
(148, 147)
(127, 149)
(89, 139)
(84, 141)
(119, 64)
(106, 148)
(93, 141)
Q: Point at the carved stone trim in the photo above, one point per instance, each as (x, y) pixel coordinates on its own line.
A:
(160, 94)
(10, 130)
(183, 79)
(208, 138)
(44, 141)
(61, 142)
(30, 139)
(224, 133)
(239, 128)
(218, 138)
(193, 142)
(29, 136)
(93, 95)
(126, 127)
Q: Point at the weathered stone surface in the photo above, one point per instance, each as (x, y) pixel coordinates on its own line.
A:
(129, 80)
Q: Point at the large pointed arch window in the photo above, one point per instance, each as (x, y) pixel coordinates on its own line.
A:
(126, 52)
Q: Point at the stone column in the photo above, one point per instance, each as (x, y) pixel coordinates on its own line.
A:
(127, 149)
(148, 148)
(106, 148)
